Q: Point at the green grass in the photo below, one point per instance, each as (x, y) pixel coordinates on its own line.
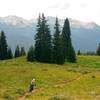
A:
(52, 80)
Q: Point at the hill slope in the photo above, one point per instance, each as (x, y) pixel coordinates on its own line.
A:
(80, 81)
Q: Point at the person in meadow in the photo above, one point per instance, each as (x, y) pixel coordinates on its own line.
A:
(32, 85)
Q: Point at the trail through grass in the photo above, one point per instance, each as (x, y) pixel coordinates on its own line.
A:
(80, 81)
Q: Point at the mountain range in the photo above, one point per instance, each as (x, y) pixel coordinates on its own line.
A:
(19, 31)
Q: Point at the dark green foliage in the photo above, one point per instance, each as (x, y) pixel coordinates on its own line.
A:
(38, 40)
(60, 49)
(71, 55)
(60, 97)
(61, 54)
(93, 76)
(3, 46)
(92, 53)
(22, 52)
(30, 54)
(20, 91)
(9, 53)
(46, 41)
(17, 52)
(43, 41)
(98, 50)
(57, 49)
(68, 50)
(66, 37)
(87, 53)
(79, 52)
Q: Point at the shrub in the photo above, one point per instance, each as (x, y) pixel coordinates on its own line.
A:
(20, 91)
(60, 97)
(30, 55)
(93, 76)
(6, 96)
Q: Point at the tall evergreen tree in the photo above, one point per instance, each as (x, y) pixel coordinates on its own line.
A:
(30, 54)
(71, 54)
(17, 51)
(3, 46)
(57, 49)
(38, 39)
(61, 53)
(43, 41)
(98, 50)
(9, 53)
(22, 52)
(68, 49)
(46, 40)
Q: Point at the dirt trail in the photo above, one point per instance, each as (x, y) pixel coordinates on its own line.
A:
(23, 97)
(61, 84)
(27, 93)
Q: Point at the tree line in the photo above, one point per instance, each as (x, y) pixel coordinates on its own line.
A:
(56, 48)
(5, 50)
(92, 53)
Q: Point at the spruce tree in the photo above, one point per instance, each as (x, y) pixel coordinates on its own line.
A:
(57, 49)
(38, 39)
(68, 49)
(61, 53)
(3, 46)
(43, 41)
(30, 54)
(46, 40)
(98, 50)
(17, 52)
(22, 52)
(71, 54)
(9, 53)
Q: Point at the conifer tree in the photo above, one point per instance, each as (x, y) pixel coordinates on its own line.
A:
(38, 39)
(17, 52)
(46, 40)
(30, 54)
(43, 41)
(22, 52)
(9, 53)
(98, 50)
(61, 53)
(79, 52)
(57, 49)
(3, 46)
(71, 54)
(68, 49)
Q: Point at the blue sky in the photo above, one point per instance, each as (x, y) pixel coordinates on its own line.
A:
(84, 10)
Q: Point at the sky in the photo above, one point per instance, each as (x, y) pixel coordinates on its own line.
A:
(83, 10)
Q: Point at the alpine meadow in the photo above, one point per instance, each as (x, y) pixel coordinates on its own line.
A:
(53, 56)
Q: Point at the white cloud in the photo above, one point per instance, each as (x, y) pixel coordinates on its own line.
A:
(85, 10)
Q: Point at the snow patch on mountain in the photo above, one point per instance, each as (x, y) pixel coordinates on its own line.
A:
(15, 21)
(20, 22)
(80, 24)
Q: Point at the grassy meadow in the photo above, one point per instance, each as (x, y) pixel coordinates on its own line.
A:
(79, 81)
